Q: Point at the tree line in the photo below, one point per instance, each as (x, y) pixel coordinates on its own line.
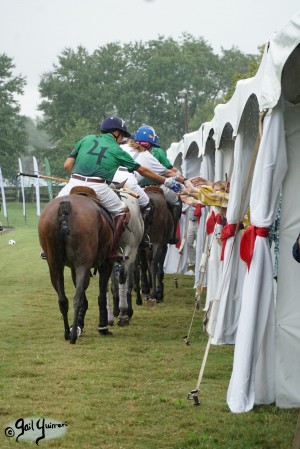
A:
(141, 82)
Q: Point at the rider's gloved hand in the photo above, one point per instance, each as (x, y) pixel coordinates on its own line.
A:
(172, 184)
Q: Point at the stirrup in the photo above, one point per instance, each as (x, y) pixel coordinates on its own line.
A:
(43, 256)
(118, 257)
(146, 243)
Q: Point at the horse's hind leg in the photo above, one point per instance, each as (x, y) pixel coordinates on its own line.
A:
(137, 283)
(123, 318)
(82, 311)
(110, 315)
(104, 274)
(114, 287)
(145, 280)
(160, 276)
(83, 308)
(79, 301)
(160, 286)
(130, 285)
(57, 279)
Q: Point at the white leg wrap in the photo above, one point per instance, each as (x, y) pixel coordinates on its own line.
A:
(123, 296)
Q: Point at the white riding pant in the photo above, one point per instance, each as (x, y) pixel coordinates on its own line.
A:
(131, 183)
(109, 199)
(191, 240)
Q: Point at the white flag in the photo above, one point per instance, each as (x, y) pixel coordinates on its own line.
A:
(3, 195)
(22, 187)
(37, 186)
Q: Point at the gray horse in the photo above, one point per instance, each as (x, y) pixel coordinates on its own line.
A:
(122, 275)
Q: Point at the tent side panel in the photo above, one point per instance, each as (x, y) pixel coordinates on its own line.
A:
(288, 292)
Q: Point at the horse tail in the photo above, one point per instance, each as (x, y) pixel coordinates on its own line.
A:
(63, 221)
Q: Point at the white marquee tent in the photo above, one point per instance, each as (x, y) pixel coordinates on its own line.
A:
(260, 316)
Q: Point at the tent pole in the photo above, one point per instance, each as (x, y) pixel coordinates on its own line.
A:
(193, 395)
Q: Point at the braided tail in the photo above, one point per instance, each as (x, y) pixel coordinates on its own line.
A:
(63, 223)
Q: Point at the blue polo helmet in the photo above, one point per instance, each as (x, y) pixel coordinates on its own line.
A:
(146, 134)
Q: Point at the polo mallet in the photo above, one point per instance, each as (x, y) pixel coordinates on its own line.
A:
(51, 178)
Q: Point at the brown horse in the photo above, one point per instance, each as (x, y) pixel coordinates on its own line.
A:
(74, 233)
(151, 260)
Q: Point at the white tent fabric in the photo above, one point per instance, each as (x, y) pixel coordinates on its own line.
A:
(267, 86)
(176, 258)
(214, 267)
(253, 382)
(188, 139)
(287, 360)
(233, 271)
(174, 151)
(206, 172)
(192, 165)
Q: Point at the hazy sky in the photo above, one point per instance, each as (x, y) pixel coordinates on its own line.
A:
(34, 32)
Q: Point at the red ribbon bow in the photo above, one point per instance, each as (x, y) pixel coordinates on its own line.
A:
(227, 231)
(197, 212)
(248, 241)
(212, 220)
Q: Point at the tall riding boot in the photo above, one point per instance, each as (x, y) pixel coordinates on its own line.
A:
(118, 231)
(147, 215)
(177, 209)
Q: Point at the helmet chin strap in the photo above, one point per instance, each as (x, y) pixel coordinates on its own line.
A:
(116, 134)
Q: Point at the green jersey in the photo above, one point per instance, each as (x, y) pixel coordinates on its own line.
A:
(100, 156)
(160, 155)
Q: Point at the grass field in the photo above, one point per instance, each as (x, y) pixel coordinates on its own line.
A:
(121, 392)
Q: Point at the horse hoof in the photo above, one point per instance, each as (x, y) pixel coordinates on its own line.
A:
(139, 302)
(151, 302)
(104, 332)
(122, 322)
(73, 340)
(110, 322)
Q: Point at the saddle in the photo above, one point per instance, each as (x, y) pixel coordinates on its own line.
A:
(156, 189)
(90, 193)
